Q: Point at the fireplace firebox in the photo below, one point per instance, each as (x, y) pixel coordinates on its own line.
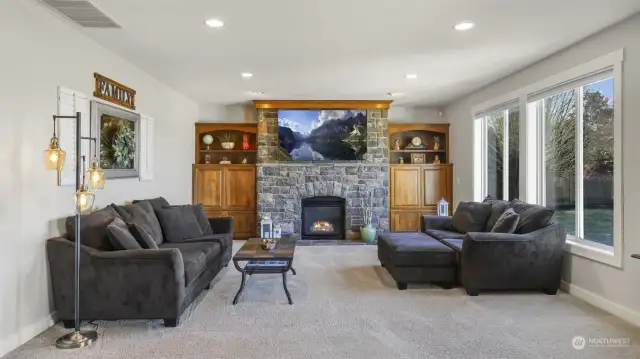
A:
(323, 217)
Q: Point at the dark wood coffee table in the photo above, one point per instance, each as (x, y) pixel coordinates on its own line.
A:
(261, 261)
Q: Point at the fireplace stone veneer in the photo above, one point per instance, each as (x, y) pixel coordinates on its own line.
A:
(283, 184)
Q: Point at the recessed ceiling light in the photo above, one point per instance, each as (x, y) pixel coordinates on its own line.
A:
(214, 23)
(246, 74)
(464, 26)
(411, 76)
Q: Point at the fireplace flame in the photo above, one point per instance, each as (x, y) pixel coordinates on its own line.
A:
(322, 226)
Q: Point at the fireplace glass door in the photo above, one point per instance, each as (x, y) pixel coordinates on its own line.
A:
(323, 217)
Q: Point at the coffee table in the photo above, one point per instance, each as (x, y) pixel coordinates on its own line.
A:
(261, 261)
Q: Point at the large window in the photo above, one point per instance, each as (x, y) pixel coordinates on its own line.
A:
(558, 143)
(501, 155)
(576, 127)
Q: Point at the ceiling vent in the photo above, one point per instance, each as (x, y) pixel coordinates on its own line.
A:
(82, 12)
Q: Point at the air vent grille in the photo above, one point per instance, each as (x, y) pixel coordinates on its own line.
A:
(82, 12)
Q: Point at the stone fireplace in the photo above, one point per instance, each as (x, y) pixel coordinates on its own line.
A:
(283, 186)
(323, 217)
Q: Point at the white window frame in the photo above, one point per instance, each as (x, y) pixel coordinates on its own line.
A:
(532, 155)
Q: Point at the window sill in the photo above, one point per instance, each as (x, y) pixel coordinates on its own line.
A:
(594, 251)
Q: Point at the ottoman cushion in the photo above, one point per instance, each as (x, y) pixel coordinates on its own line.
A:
(415, 249)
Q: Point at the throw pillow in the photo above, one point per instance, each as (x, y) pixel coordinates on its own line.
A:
(470, 217)
(497, 208)
(201, 216)
(532, 216)
(156, 203)
(507, 222)
(120, 237)
(178, 223)
(143, 214)
(142, 236)
(93, 228)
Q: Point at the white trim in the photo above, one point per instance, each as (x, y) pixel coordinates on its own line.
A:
(26, 333)
(579, 150)
(505, 154)
(114, 105)
(598, 301)
(478, 154)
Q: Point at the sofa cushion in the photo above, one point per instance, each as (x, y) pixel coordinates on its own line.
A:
(415, 249)
(142, 213)
(178, 223)
(201, 217)
(225, 240)
(498, 206)
(156, 203)
(120, 236)
(532, 216)
(142, 236)
(507, 223)
(455, 243)
(470, 217)
(442, 234)
(93, 228)
(197, 257)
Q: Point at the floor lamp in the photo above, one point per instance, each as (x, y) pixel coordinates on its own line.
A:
(54, 160)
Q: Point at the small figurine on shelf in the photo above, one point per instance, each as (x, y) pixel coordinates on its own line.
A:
(396, 145)
(207, 159)
(245, 142)
(401, 160)
(244, 161)
(225, 161)
(436, 160)
(436, 143)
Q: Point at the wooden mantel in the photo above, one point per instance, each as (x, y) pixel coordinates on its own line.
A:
(323, 104)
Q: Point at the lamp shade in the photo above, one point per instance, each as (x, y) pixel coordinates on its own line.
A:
(96, 175)
(83, 200)
(54, 156)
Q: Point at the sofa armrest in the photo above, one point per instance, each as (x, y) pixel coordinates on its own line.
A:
(435, 222)
(140, 283)
(222, 225)
(490, 237)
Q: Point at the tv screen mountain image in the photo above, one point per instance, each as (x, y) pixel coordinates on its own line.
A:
(322, 135)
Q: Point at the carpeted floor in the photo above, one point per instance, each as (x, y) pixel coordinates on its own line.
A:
(347, 306)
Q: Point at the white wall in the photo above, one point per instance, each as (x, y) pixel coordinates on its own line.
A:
(40, 50)
(614, 289)
(248, 114)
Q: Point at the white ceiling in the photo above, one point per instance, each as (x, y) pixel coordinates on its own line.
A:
(345, 49)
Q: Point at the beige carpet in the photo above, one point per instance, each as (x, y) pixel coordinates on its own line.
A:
(346, 306)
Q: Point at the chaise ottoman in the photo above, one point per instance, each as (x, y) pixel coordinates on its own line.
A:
(414, 257)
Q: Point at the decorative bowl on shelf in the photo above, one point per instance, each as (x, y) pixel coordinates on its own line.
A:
(228, 145)
(268, 244)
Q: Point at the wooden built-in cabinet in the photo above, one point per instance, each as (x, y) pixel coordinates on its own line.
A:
(227, 190)
(416, 188)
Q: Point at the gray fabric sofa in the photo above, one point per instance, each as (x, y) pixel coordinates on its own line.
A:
(529, 259)
(139, 283)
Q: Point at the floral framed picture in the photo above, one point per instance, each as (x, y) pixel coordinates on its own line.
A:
(117, 140)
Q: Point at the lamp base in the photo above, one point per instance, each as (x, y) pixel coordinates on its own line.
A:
(77, 340)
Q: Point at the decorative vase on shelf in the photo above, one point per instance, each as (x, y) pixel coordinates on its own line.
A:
(368, 233)
(436, 143)
(245, 142)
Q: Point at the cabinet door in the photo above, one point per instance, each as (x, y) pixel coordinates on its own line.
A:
(437, 185)
(405, 187)
(244, 223)
(207, 187)
(240, 188)
(403, 221)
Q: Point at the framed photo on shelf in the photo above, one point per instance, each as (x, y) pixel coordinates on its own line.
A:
(417, 158)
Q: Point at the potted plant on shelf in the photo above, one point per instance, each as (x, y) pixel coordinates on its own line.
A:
(368, 232)
(227, 140)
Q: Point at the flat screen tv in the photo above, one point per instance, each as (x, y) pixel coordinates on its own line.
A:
(322, 135)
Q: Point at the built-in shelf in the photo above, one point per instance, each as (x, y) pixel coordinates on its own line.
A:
(219, 151)
(409, 151)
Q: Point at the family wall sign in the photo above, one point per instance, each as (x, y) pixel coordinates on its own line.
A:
(113, 91)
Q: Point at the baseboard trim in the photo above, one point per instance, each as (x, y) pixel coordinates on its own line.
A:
(26, 333)
(605, 304)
